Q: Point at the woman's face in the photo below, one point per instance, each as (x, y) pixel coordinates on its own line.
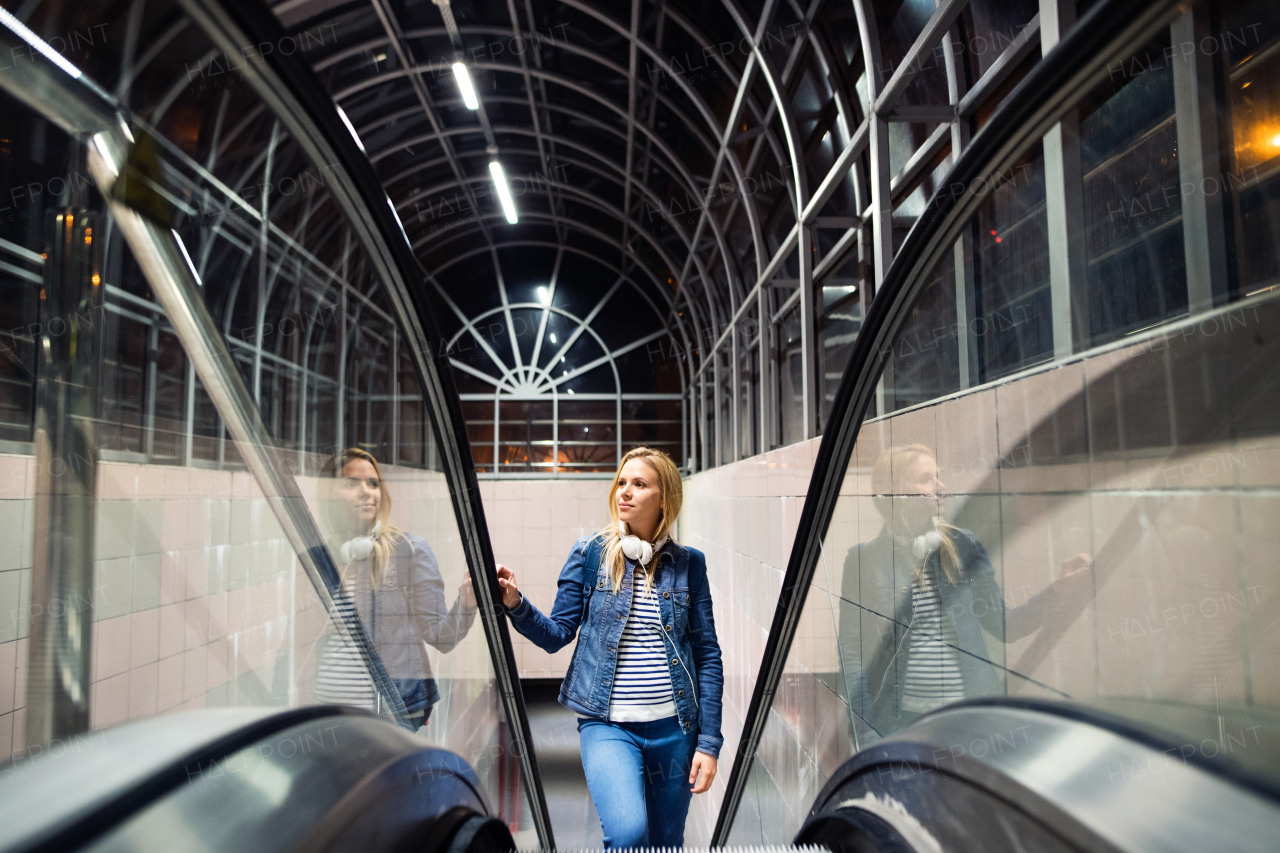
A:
(919, 477)
(362, 490)
(639, 497)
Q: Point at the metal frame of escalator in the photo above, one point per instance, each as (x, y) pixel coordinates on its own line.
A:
(288, 87)
(1076, 63)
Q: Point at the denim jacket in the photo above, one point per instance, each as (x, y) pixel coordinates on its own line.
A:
(408, 609)
(684, 599)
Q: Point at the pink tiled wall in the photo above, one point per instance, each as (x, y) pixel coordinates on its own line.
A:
(533, 525)
(197, 594)
(743, 516)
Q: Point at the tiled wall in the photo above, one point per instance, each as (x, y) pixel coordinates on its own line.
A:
(197, 596)
(16, 522)
(192, 593)
(743, 516)
(533, 525)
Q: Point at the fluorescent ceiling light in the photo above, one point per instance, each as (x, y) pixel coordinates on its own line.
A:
(396, 214)
(343, 115)
(504, 192)
(38, 43)
(464, 86)
(190, 265)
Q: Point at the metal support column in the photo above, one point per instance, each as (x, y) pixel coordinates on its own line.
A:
(66, 476)
(1064, 207)
(1199, 167)
(809, 390)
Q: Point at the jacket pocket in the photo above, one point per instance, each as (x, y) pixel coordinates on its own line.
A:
(680, 606)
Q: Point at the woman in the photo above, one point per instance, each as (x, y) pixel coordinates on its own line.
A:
(391, 580)
(646, 677)
(938, 583)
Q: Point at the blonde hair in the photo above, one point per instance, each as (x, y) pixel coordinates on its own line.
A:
(672, 498)
(887, 482)
(388, 534)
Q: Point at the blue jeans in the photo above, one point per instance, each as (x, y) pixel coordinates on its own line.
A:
(638, 775)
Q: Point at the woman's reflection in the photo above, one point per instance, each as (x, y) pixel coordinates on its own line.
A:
(917, 598)
(392, 580)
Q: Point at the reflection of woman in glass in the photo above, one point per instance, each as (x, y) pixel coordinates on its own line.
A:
(918, 597)
(392, 580)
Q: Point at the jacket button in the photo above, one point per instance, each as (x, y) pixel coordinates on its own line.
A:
(666, 595)
(675, 661)
(668, 627)
(679, 692)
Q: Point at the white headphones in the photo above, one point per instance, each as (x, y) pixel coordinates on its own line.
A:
(923, 546)
(361, 547)
(637, 549)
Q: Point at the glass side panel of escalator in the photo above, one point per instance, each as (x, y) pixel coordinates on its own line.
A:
(191, 595)
(1066, 485)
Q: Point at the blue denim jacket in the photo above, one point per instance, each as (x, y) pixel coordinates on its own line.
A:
(684, 599)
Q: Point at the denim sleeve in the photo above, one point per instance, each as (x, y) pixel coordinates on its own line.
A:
(437, 623)
(555, 632)
(988, 601)
(849, 634)
(706, 657)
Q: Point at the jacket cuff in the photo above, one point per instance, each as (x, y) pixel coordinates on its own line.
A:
(521, 611)
(710, 745)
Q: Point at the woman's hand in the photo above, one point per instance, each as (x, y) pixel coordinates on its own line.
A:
(702, 771)
(1075, 584)
(467, 593)
(510, 592)
(1077, 566)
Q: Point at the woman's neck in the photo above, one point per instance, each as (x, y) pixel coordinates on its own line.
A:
(646, 534)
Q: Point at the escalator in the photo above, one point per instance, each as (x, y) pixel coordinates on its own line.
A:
(1009, 776)
(1099, 466)
(991, 776)
(320, 778)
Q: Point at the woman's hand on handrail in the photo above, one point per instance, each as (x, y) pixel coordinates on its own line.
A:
(510, 592)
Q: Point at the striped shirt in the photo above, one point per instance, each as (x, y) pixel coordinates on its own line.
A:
(642, 680)
(342, 677)
(933, 677)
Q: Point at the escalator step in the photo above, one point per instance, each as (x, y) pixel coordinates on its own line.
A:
(762, 848)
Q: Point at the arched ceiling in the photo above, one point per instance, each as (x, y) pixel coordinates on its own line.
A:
(666, 147)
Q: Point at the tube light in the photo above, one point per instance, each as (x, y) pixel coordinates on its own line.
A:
(185, 254)
(342, 114)
(504, 192)
(464, 86)
(22, 31)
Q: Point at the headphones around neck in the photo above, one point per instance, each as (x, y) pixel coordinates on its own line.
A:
(361, 547)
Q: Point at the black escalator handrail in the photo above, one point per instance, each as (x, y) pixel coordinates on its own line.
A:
(1148, 734)
(85, 814)
(1068, 71)
(1096, 788)
(289, 85)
